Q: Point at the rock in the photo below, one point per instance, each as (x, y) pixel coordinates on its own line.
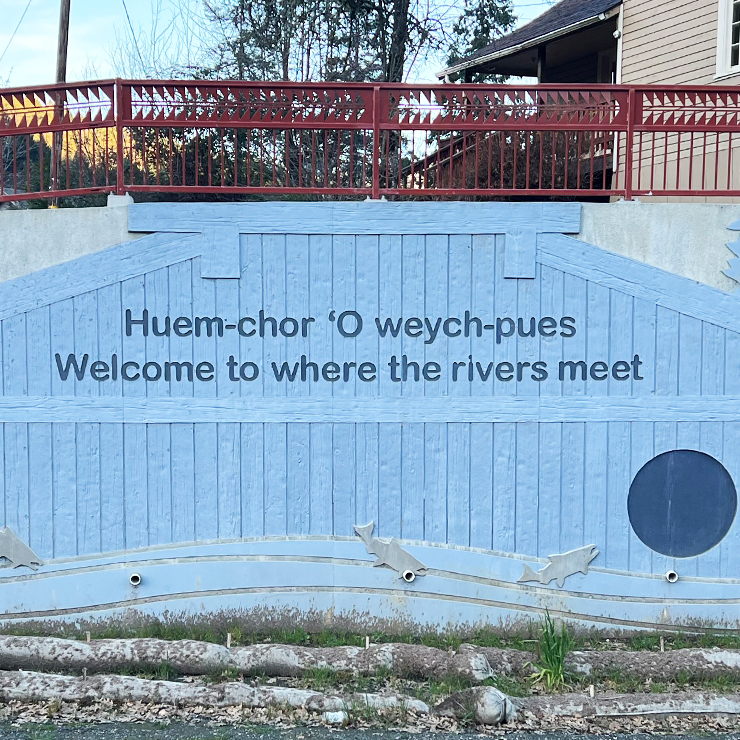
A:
(335, 718)
(493, 707)
(486, 704)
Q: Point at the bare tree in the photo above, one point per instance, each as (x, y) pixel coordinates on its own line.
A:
(176, 43)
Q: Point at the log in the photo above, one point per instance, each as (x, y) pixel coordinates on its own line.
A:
(32, 687)
(667, 666)
(192, 657)
(628, 705)
(509, 662)
(641, 664)
(410, 661)
(188, 657)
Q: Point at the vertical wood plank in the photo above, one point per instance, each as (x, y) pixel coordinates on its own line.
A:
(711, 433)
(182, 446)
(276, 517)
(88, 435)
(64, 483)
(252, 480)
(206, 434)
(690, 354)
(368, 344)
(460, 350)
(528, 447)
(298, 435)
(135, 451)
(229, 481)
(551, 493)
(644, 332)
(159, 472)
(504, 480)
(88, 489)
(527, 482)
(595, 332)
(666, 384)
(483, 276)
(321, 346)
(344, 279)
(275, 349)
(730, 549)
(436, 253)
(250, 350)
(389, 481)
(17, 515)
(561, 475)
(159, 462)
(228, 435)
(620, 443)
(110, 336)
(39, 437)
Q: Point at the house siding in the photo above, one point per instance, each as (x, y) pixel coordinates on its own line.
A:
(672, 43)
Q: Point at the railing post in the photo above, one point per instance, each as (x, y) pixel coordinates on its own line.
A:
(376, 143)
(630, 143)
(120, 188)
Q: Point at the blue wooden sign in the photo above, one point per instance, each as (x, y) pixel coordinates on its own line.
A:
(427, 414)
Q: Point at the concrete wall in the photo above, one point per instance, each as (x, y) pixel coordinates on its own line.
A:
(240, 491)
(687, 239)
(31, 240)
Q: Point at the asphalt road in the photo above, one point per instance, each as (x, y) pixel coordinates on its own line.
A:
(190, 732)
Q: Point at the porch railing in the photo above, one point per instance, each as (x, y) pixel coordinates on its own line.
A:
(372, 140)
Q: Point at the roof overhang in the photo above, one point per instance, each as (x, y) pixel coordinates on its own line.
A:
(531, 43)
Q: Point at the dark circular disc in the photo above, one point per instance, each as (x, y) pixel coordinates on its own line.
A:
(682, 503)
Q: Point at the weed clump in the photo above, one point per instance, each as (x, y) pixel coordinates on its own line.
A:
(553, 646)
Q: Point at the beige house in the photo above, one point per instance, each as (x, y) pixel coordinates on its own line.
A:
(666, 42)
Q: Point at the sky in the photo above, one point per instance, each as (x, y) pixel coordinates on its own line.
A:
(31, 57)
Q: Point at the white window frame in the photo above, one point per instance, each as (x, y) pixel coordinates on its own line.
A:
(724, 40)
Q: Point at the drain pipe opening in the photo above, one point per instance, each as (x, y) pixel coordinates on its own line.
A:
(409, 576)
(134, 579)
(671, 576)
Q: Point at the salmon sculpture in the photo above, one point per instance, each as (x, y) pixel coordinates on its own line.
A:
(13, 550)
(560, 567)
(390, 553)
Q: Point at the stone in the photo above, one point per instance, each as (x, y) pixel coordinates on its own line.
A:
(340, 718)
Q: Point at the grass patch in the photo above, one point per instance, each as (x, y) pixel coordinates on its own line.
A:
(553, 646)
(323, 678)
(433, 691)
(526, 636)
(509, 685)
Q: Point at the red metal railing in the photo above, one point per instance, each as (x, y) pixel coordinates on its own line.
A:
(365, 139)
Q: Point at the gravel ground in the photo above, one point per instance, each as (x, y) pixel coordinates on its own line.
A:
(155, 722)
(189, 732)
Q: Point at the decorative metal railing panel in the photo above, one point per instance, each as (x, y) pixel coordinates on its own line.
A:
(351, 140)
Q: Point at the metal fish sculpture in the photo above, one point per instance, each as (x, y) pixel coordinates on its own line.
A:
(12, 549)
(560, 567)
(390, 553)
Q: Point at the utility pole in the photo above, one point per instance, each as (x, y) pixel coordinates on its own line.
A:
(63, 41)
(61, 78)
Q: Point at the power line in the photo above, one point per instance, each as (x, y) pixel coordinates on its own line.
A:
(28, 5)
(133, 34)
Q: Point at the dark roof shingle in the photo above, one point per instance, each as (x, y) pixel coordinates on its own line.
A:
(560, 16)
